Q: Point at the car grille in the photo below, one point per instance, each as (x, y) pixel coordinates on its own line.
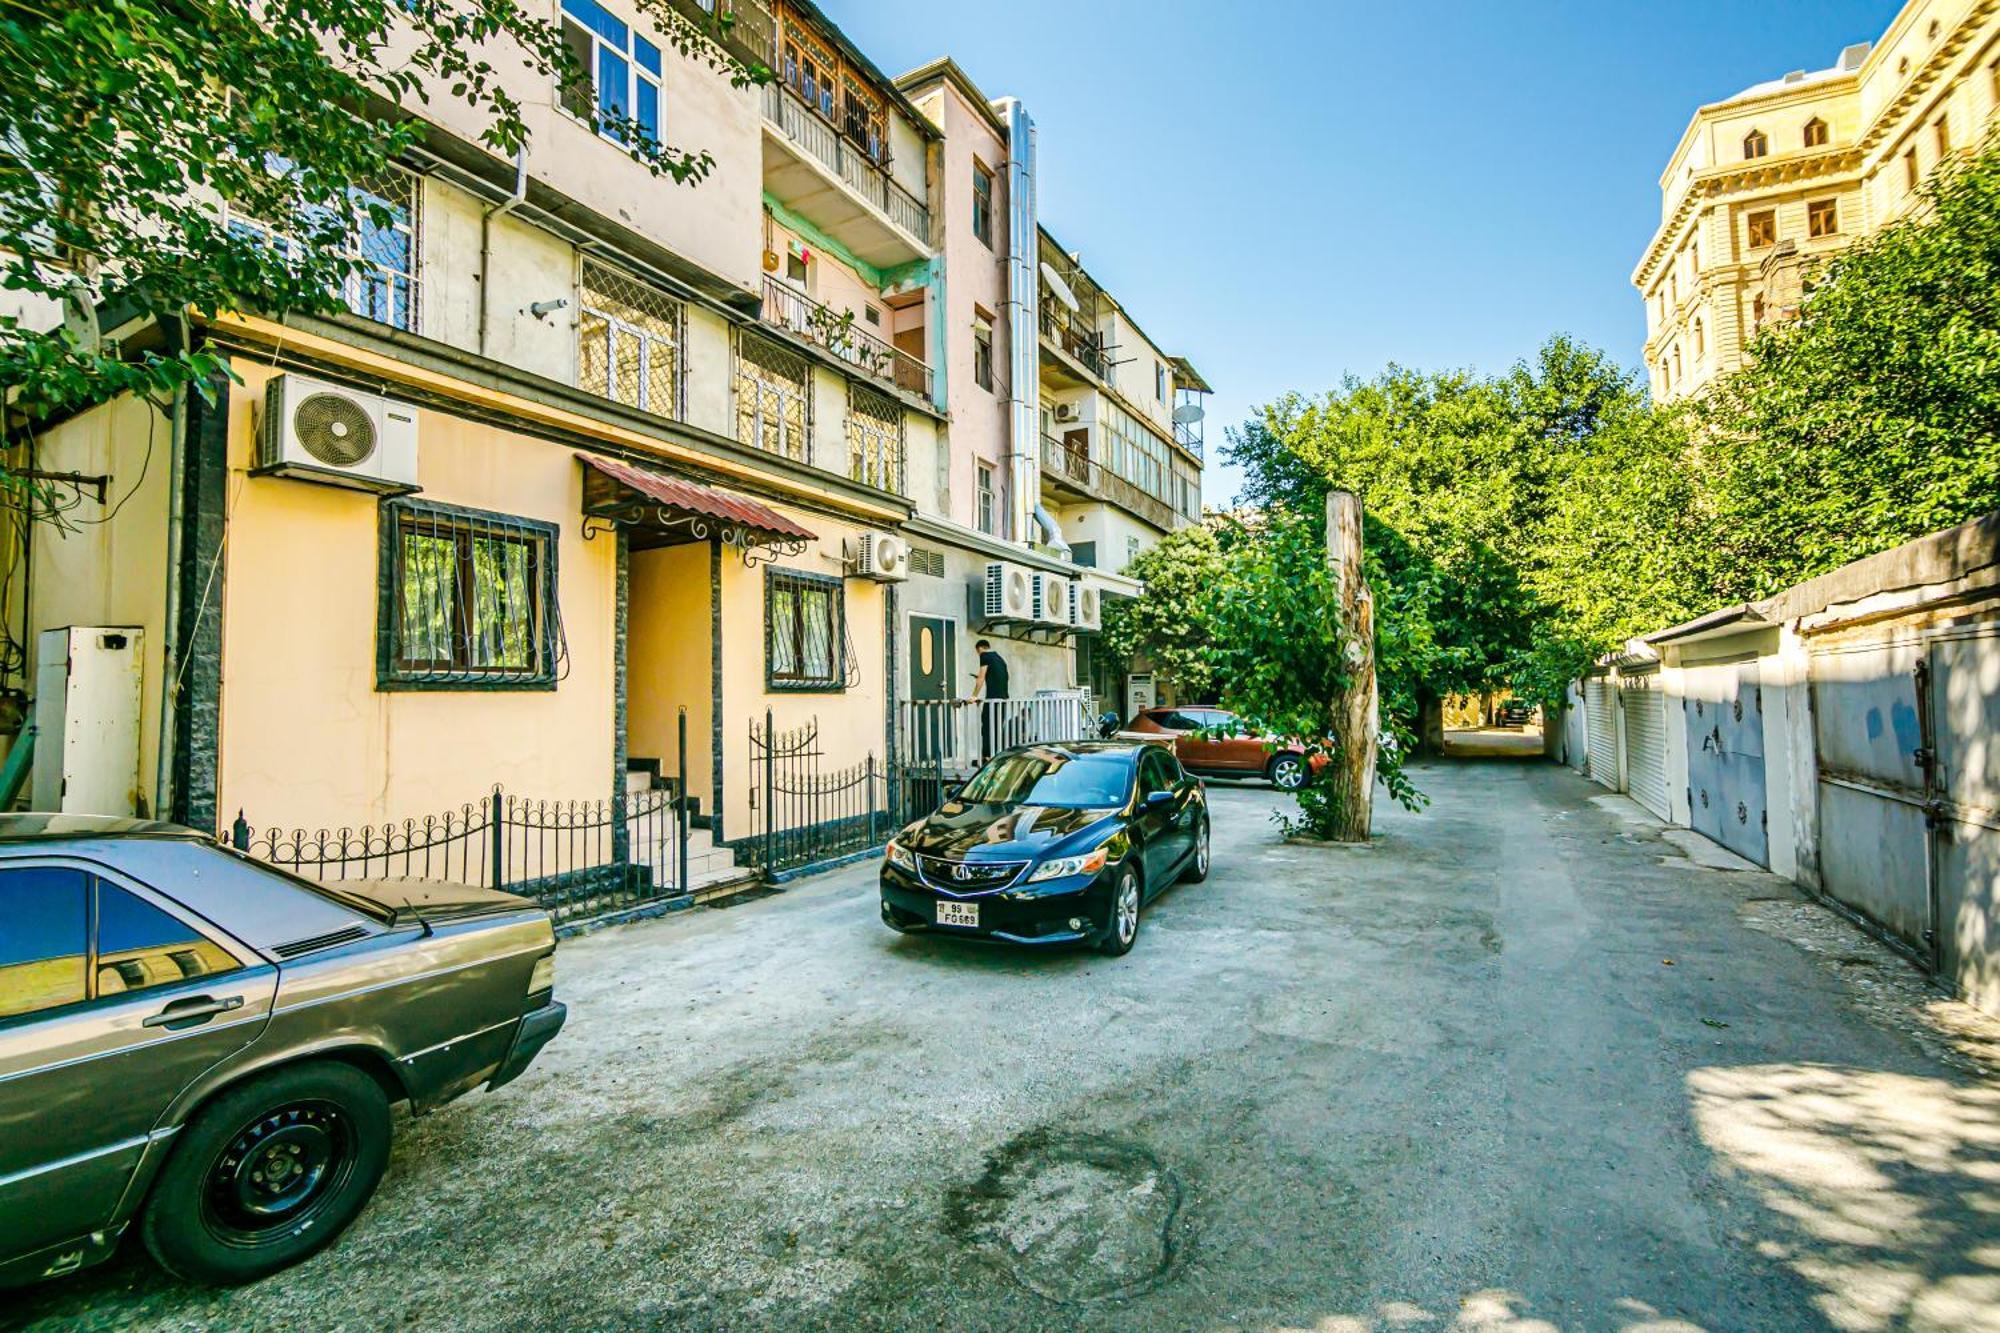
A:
(964, 879)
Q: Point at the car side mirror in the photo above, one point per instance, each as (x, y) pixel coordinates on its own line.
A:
(1158, 800)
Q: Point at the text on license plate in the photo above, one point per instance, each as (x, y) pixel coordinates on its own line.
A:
(958, 914)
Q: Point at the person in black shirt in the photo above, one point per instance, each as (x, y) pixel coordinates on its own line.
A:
(989, 683)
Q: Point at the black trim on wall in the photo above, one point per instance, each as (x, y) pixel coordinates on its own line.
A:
(621, 834)
(197, 657)
(715, 686)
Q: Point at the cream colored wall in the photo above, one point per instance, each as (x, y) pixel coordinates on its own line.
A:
(306, 738)
(1110, 527)
(669, 666)
(526, 264)
(110, 572)
(1134, 378)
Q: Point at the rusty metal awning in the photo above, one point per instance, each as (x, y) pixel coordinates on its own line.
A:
(659, 509)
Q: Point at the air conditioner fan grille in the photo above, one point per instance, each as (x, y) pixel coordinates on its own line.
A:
(334, 429)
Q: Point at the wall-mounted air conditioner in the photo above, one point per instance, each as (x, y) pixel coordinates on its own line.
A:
(1052, 593)
(1069, 412)
(882, 557)
(315, 431)
(1009, 592)
(1086, 605)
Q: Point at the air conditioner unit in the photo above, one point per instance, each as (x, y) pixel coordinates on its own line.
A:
(882, 557)
(1069, 412)
(1052, 594)
(1010, 592)
(1086, 605)
(315, 431)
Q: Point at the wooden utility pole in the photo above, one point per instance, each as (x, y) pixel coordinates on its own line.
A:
(1352, 774)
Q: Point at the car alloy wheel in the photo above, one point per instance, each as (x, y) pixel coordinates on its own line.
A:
(277, 1172)
(1288, 772)
(1125, 899)
(1201, 851)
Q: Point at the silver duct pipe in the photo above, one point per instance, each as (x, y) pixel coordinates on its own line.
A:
(1024, 393)
(1051, 533)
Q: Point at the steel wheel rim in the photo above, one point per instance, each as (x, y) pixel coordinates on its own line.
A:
(1127, 908)
(278, 1173)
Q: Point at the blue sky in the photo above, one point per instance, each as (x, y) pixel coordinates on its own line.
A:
(1290, 191)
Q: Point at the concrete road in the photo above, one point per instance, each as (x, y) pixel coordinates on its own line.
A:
(1518, 1065)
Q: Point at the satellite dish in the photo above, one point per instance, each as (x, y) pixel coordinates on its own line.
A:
(1061, 289)
(1189, 413)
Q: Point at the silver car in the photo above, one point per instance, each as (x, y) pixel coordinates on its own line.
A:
(207, 1047)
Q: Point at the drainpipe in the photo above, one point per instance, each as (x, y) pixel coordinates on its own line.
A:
(1024, 391)
(507, 205)
(1051, 532)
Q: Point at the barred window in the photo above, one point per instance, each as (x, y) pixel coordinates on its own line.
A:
(874, 439)
(773, 397)
(628, 341)
(468, 600)
(805, 631)
(387, 239)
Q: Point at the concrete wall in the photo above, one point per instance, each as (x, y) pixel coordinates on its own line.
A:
(1031, 666)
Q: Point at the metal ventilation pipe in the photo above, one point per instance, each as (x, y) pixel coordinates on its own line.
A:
(1024, 391)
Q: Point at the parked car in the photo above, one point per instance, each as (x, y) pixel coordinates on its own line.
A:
(205, 1047)
(1052, 844)
(1516, 713)
(1215, 742)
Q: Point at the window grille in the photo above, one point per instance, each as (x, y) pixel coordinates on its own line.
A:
(468, 600)
(874, 439)
(773, 398)
(805, 631)
(388, 286)
(629, 337)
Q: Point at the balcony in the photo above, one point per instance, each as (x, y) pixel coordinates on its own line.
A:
(792, 310)
(1068, 469)
(1081, 345)
(813, 167)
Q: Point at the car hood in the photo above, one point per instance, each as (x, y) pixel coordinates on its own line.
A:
(434, 903)
(965, 831)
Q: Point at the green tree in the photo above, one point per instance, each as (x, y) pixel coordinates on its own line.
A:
(129, 121)
(1874, 416)
(1171, 624)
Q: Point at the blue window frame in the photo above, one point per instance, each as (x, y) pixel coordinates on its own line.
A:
(624, 69)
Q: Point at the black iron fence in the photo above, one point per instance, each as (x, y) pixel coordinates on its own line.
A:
(579, 858)
(802, 813)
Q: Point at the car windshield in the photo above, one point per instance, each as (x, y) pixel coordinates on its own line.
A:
(1053, 778)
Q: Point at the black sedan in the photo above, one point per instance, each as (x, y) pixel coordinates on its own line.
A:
(1051, 844)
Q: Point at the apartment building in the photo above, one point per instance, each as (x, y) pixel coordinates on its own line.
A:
(730, 466)
(1790, 171)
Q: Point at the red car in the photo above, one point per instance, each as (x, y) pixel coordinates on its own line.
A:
(1229, 749)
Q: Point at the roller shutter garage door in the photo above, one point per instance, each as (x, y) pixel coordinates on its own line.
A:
(1645, 742)
(1600, 722)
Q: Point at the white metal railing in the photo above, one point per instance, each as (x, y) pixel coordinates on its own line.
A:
(814, 133)
(955, 736)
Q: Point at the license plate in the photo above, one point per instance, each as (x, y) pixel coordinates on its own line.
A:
(958, 914)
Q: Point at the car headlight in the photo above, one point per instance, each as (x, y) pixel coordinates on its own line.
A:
(1064, 867)
(901, 856)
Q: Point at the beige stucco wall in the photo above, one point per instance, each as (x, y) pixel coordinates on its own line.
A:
(306, 737)
(669, 664)
(110, 570)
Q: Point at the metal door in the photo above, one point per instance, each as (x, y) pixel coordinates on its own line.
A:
(1646, 742)
(1722, 707)
(1601, 730)
(1962, 745)
(933, 668)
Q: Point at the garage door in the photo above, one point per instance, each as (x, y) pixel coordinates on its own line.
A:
(1723, 711)
(1600, 720)
(1645, 742)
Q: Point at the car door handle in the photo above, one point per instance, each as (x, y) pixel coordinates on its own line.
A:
(194, 1009)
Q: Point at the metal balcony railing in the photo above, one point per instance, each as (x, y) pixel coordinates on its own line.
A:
(953, 737)
(1079, 343)
(822, 139)
(788, 308)
(1076, 468)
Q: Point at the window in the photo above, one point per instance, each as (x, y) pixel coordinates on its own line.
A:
(1913, 175)
(1822, 217)
(468, 600)
(1153, 771)
(386, 240)
(44, 952)
(1755, 144)
(1675, 378)
(1933, 30)
(798, 268)
(1159, 383)
(1763, 229)
(1943, 133)
(140, 947)
(1694, 258)
(624, 72)
(863, 117)
(1700, 341)
(628, 341)
(872, 314)
(1903, 65)
(986, 507)
(982, 204)
(874, 439)
(1083, 555)
(1757, 315)
(1131, 551)
(982, 355)
(805, 631)
(1816, 134)
(773, 388)
(1674, 287)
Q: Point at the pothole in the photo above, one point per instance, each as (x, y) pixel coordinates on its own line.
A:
(1072, 1217)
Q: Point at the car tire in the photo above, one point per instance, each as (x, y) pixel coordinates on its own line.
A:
(1198, 864)
(1127, 900)
(320, 1130)
(1287, 772)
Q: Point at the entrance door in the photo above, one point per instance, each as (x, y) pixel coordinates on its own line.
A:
(933, 669)
(1723, 710)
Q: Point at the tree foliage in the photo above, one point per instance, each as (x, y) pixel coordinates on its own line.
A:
(1171, 625)
(128, 122)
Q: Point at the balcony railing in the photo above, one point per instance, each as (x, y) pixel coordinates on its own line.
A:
(821, 139)
(953, 737)
(1076, 468)
(1079, 343)
(789, 308)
